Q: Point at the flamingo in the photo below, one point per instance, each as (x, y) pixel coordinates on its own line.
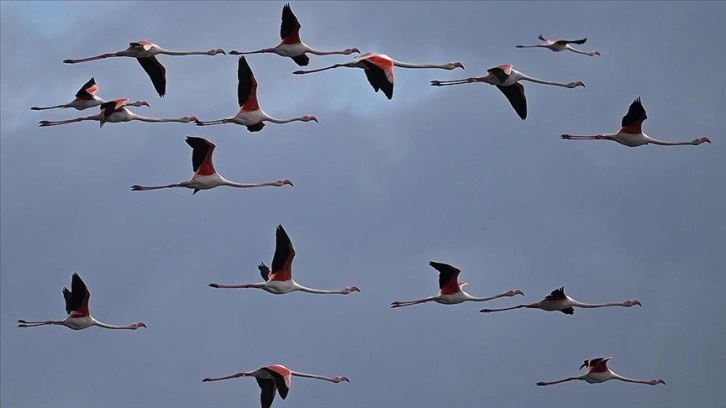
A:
(273, 378)
(561, 45)
(291, 45)
(450, 289)
(85, 98)
(205, 177)
(507, 80)
(598, 371)
(145, 52)
(558, 301)
(114, 112)
(630, 133)
(279, 280)
(250, 114)
(79, 317)
(379, 69)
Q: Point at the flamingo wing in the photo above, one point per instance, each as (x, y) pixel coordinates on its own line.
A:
(267, 392)
(87, 90)
(202, 150)
(290, 27)
(108, 108)
(156, 72)
(378, 79)
(565, 42)
(264, 271)
(633, 120)
(448, 283)
(281, 375)
(515, 96)
(501, 72)
(284, 254)
(557, 294)
(596, 365)
(77, 298)
(302, 60)
(246, 87)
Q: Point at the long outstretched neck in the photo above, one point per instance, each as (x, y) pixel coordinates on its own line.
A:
(111, 326)
(249, 185)
(484, 299)
(543, 383)
(170, 52)
(409, 65)
(45, 123)
(317, 377)
(275, 120)
(321, 291)
(588, 53)
(692, 142)
(503, 309)
(145, 188)
(97, 57)
(541, 81)
(637, 381)
(237, 375)
(25, 323)
(158, 120)
(319, 52)
(245, 286)
(596, 305)
(319, 69)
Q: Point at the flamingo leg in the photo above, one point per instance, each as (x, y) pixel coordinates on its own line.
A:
(45, 123)
(456, 81)
(245, 286)
(408, 303)
(97, 57)
(543, 383)
(593, 137)
(211, 122)
(137, 187)
(210, 379)
(24, 323)
(262, 51)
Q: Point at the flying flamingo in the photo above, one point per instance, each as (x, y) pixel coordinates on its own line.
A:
(145, 52)
(79, 317)
(451, 291)
(279, 280)
(630, 133)
(507, 80)
(558, 301)
(115, 112)
(561, 45)
(205, 177)
(291, 45)
(85, 98)
(273, 378)
(598, 371)
(250, 114)
(379, 69)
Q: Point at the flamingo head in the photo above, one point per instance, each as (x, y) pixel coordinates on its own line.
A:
(137, 325)
(280, 183)
(596, 53)
(309, 118)
(514, 293)
(349, 51)
(701, 140)
(350, 289)
(657, 381)
(455, 65)
(340, 379)
(629, 303)
(217, 51)
(576, 84)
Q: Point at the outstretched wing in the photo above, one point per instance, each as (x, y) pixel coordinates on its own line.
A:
(87, 90)
(246, 86)
(557, 294)
(302, 60)
(565, 42)
(284, 254)
(264, 271)
(516, 98)
(77, 298)
(633, 120)
(378, 79)
(202, 150)
(448, 277)
(267, 392)
(501, 72)
(156, 72)
(290, 27)
(541, 37)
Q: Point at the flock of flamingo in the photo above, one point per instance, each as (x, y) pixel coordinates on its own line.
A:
(277, 279)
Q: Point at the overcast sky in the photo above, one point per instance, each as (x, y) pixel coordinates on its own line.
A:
(381, 187)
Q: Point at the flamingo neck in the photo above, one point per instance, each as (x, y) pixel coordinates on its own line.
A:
(170, 52)
(595, 305)
(319, 291)
(541, 81)
(247, 185)
(317, 377)
(111, 326)
(319, 52)
(409, 65)
(275, 120)
(484, 299)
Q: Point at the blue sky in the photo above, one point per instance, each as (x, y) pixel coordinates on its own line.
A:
(381, 188)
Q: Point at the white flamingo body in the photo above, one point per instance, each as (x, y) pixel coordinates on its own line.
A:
(290, 45)
(631, 133)
(450, 289)
(278, 280)
(507, 80)
(561, 45)
(598, 372)
(205, 176)
(79, 317)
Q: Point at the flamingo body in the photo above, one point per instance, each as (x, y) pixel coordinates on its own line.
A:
(85, 98)
(250, 114)
(79, 316)
(558, 301)
(598, 372)
(290, 45)
(450, 289)
(115, 112)
(278, 280)
(507, 79)
(631, 134)
(561, 45)
(205, 177)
